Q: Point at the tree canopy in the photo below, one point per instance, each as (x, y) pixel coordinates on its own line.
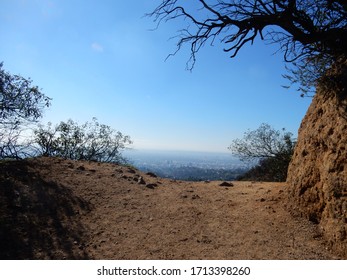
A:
(272, 150)
(311, 34)
(89, 141)
(19, 100)
(264, 142)
(21, 103)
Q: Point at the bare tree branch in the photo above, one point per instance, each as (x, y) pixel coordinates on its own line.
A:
(302, 28)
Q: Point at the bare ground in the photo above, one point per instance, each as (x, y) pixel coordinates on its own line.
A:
(59, 209)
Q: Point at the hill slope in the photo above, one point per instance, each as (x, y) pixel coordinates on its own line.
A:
(59, 209)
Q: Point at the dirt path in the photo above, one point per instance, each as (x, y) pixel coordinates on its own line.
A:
(113, 216)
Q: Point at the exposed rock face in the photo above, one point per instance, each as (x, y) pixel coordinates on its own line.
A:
(317, 175)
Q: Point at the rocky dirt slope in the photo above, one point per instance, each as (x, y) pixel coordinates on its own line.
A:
(317, 176)
(59, 209)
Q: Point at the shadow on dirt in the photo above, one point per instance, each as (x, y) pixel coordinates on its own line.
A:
(39, 219)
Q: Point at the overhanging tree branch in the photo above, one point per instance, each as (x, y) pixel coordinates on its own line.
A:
(303, 29)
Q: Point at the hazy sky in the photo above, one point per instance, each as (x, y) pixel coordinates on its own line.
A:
(100, 59)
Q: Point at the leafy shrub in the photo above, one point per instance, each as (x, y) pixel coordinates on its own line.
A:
(271, 149)
(89, 141)
(21, 104)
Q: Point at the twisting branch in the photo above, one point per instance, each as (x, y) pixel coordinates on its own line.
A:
(303, 29)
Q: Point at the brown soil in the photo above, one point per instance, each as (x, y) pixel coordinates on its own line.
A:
(59, 209)
(317, 175)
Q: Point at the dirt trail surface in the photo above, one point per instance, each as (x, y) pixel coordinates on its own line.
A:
(59, 209)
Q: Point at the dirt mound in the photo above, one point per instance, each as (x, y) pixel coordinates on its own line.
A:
(38, 214)
(317, 175)
(61, 209)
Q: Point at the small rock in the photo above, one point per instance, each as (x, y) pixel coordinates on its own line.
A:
(151, 174)
(226, 184)
(130, 170)
(141, 181)
(151, 186)
(317, 236)
(81, 168)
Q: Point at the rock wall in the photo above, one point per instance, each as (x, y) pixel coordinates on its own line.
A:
(317, 175)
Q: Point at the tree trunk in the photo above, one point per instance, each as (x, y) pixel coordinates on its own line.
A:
(317, 175)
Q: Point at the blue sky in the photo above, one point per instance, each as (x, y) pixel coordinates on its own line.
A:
(100, 59)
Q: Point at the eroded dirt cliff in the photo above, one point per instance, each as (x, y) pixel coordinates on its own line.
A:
(317, 175)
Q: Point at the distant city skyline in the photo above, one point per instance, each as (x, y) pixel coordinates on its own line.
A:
(220, 159)
(188, 165)
(100, 59)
